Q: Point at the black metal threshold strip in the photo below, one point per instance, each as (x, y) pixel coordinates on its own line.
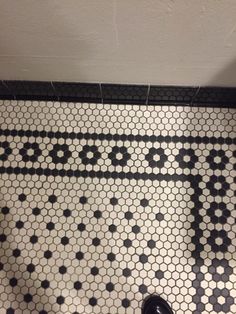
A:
(118, 93)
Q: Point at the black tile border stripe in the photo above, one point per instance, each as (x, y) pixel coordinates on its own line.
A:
(120, 137)
(100, 174)
(119, 93)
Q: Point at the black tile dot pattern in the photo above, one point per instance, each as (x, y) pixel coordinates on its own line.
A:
(102, 205)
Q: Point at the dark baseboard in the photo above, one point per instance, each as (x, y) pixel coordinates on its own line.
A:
(119, 93)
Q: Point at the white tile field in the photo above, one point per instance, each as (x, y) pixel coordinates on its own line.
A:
(101, 205)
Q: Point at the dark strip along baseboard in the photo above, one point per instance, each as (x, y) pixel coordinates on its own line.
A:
(119, 93)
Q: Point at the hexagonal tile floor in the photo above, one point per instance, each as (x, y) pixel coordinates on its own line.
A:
(102, 205)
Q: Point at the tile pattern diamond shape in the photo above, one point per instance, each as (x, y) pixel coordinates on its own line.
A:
(102, 205)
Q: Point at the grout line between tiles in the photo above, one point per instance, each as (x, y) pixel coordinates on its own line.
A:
(53, 87)
(148, 92)
(195, 95)
(100, 87)
(7, 87)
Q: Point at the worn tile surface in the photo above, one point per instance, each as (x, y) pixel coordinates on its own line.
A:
(102, 205)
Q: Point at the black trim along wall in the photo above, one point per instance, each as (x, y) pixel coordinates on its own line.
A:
(119, 93)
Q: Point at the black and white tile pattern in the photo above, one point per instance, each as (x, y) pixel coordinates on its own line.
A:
(102, 205)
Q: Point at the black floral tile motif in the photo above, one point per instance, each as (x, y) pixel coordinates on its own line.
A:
(6, 150)
(102, 205)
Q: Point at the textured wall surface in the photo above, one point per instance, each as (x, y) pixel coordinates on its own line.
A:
(180, 42)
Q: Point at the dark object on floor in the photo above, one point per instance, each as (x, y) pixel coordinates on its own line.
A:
(156, 305)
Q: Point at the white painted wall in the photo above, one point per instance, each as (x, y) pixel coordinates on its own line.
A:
(180, 42)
